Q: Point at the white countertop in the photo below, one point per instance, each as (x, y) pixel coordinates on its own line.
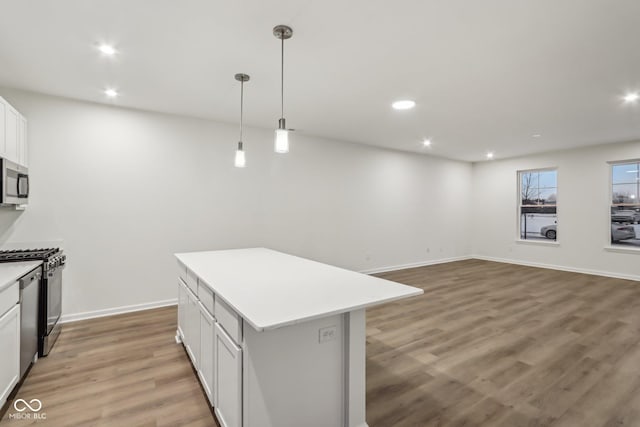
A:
(270, 289)
(12, 271)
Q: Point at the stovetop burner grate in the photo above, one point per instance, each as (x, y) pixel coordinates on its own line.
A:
(27, 254)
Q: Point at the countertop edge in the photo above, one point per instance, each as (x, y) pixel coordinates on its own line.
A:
(274, 326)
(29, 266)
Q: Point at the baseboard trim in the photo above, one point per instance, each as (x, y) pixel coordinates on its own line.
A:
(67, 318)
(157, 304)
(415, 264)
(559, 267)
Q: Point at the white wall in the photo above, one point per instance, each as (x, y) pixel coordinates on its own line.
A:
(583, 211)
(126, 189)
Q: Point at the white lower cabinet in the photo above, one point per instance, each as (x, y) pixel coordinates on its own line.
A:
(189, 322)
(207, 341)
(193, 327)
(216, 357)
(183, 301)
(10, 353)
(228, 374)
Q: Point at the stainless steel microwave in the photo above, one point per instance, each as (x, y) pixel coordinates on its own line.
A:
(15, 184)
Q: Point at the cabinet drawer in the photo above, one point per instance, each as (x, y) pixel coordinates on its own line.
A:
(9, 297)
(206, 297)
(182, 272)
(192, 281)
(229, 320)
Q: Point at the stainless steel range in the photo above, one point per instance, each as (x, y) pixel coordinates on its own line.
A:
(50, 291)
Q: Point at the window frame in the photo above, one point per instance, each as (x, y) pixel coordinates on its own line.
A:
(610, 245)
(519, 205)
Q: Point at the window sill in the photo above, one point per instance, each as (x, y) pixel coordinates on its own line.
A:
(552, 243)
(622, 249)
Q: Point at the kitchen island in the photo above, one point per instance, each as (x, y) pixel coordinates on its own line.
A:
(278, 340)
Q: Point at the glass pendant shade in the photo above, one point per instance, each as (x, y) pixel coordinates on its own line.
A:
(241, 160)
(282, 141)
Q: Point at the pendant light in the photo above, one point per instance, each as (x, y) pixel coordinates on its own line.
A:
(283, 33)
(240, 160)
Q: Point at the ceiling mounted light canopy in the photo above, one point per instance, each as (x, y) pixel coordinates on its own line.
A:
(281, 145)
(240, 160)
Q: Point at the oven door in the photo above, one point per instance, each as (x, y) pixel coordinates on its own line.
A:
(50, 309)
(54, 297)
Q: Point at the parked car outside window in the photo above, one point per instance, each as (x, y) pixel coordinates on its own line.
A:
(626, 216)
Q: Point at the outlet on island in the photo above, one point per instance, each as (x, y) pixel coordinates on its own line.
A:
(328, 334)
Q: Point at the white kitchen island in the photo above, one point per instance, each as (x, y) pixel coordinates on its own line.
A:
(278, 340)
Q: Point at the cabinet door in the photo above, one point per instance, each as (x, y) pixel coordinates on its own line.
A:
(11, 134)
(188, 329)
(183, 302)
(193, 322)
(3, 128)
(207, 333)
(22, 141)
(228, 380)
(10, 354)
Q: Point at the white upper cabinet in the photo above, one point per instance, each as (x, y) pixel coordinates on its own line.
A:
(13, 134)
(3, 126)
(12, 118)
(22, 142)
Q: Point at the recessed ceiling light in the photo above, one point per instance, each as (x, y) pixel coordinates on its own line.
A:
(426, 142)
(405, 104)
(631, 97)
(536, 135)
(111, 93)
(490, 155)
(107, 49)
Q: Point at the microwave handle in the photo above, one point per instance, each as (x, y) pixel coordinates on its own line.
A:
(22, 177)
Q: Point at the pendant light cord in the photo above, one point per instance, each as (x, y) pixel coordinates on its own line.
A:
(241, 105)
(282, 78)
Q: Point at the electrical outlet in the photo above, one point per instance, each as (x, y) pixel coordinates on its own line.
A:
(328, 334)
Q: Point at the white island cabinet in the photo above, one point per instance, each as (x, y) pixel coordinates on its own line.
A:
(278, 340)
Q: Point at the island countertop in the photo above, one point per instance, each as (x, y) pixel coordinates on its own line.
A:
(270, 289)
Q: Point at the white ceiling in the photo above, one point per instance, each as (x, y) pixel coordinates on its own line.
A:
(486, 75)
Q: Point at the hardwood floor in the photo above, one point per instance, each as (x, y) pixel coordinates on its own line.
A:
(492, 344)
(118, 371)
(488, 344)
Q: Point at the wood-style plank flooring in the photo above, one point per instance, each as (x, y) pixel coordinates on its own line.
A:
(488, 344)
(493, 344)
(116, 371)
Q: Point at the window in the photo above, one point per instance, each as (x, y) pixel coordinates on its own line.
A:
(625, 205)
(537, 207)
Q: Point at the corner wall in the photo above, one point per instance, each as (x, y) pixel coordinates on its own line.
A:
(583, 212)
